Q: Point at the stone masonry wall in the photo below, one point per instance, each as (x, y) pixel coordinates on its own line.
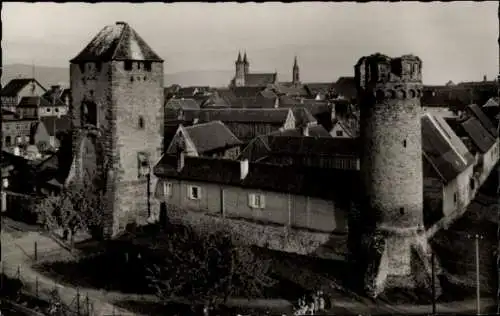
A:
(136, 94)
(303, 242)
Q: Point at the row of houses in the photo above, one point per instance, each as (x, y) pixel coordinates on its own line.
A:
(287, 178)
(34, 118)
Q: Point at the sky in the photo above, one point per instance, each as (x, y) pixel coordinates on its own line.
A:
(456, 41)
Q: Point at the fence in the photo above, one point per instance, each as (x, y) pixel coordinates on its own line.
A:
(39, 290)
(16, 267)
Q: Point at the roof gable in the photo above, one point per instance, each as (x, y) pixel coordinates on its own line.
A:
(182, 104)
(211, 136)
(14, 87)
(117, 42)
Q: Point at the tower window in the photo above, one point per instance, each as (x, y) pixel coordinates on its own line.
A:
(143, 164)
(147, 65)
(82, 68)
(404, 143)
(131, 79)
(455, 197)
(401, 210)
(91, 93)
(128, 65)
(141, 122)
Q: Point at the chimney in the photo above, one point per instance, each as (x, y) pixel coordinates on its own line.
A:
(243, 169)
(305, 130)
(180, 161)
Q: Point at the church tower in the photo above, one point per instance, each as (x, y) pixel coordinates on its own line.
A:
(387, 241)
(117, 92)
(295, 72)
(239, 77)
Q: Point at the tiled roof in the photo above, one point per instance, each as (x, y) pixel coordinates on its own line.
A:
(117, 42)
(16, 85)
(261, 80)
(314, 146)
(475, 110)
(267, 177)
(211, 136)
(478, 134)
(214, 101)
(182, 104)
(447, 160)
(253, 103)
(189, 92)
(56, 125)
(268, 94)
(314, 107)
(314, 131)
(322, 87)
(247, 92)
(273, 116)
(33, 102)
(303, 117)
(292, 90)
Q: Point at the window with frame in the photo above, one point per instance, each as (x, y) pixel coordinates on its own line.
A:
(256, 200)
(147, 65)
(167, 189)
(194, 192)
(339, 133)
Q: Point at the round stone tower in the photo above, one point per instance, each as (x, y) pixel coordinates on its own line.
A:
(391, 243)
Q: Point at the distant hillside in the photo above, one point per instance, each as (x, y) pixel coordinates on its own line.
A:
(48, 76)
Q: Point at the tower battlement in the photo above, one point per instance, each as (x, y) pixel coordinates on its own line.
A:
(381, 77)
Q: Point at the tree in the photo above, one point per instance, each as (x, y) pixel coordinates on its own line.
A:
(206, 268)
(78, 207)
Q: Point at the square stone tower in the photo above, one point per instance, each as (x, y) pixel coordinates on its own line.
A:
(117, 92)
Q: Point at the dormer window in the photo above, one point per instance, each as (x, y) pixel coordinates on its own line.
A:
(128, 65)
(147, 65)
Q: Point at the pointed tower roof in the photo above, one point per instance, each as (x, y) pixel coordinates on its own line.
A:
(245, 60)
(239, 57)
(117, 42)
(295, 63)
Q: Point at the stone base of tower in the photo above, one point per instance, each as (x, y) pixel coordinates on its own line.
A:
(398, 259)
(130, 206)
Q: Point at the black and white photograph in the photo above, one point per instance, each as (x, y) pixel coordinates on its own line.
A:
(248, 159)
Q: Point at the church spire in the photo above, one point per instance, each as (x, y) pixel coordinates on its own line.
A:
(239, 58)
(295, 72)
(245, 60)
